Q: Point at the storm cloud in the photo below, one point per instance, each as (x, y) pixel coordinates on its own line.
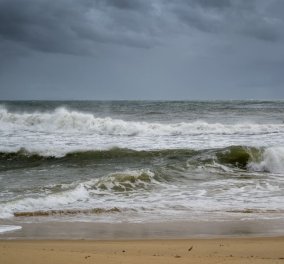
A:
(167, 43)
(70, 26)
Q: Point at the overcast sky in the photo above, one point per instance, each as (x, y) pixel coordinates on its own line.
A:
(142, 49)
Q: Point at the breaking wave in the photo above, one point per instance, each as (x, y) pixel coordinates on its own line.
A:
(269, 159)
(126, 180)
(272, 160)
(62, 119)
(67, 196)
(48, 201)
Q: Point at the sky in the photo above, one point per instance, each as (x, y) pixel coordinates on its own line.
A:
(141, 49)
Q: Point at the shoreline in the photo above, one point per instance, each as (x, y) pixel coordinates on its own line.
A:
(142, 231)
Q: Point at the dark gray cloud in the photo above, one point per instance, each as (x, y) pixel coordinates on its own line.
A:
(137, 5)
(149, 49)
(69, 26)
(250, 18)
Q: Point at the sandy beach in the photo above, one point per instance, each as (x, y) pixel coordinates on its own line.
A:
(176, 242)
(222, 250)
(140, 132)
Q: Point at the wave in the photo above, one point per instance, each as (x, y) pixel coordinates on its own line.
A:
(269, 159)
(62, 119)
(23, 154)
(272, 160)
(128, 180)
(129, 189)
(67, 196)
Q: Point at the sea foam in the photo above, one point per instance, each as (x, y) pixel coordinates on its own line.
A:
(272, 160)
(62, 119)
(9, 228)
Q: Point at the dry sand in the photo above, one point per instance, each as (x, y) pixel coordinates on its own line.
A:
(223, 250)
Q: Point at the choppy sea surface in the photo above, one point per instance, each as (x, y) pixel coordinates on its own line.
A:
(141, 161)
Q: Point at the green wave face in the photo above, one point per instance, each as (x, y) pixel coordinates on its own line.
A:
(238, 156)
(234, 156)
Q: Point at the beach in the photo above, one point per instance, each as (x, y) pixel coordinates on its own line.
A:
(222, 250)
(183, 242)
(139, 131)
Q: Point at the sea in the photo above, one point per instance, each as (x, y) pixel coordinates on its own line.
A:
(140, 161)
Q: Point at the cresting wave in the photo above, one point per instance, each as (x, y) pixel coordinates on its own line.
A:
(82, 195)
(269, 159)
(62, 119)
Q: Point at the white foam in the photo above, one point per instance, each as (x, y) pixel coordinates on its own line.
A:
(61, 131)
(62, 119)
(272, 161)
(51, 201)
(9, 228)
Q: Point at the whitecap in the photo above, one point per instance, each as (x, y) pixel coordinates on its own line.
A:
(272, 161)
(62, 119)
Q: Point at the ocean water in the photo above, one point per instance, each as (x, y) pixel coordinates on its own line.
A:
(144, 161)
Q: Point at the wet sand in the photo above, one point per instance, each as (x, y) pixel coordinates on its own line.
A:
(221, 250)
(40, 230)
